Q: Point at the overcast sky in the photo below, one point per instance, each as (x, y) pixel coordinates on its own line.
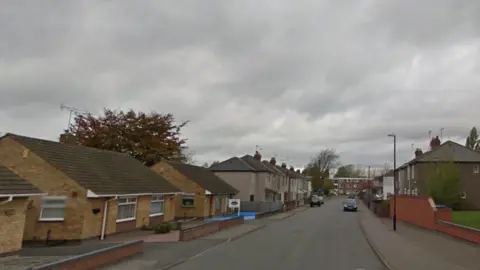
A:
(293, 77)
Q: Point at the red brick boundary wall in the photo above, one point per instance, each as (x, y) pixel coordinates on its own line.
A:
(422, 211)
(208, 228)
(95, 259)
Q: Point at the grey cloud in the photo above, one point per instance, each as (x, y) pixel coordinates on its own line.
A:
(291, 77)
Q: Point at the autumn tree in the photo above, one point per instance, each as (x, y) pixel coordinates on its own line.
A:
(472, 141)
(145, 136)
(319, 166)
(444, 184)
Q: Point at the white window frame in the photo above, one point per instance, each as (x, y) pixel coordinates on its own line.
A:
(64, 206)
(157, 199)
(127, 201)
(476, 168)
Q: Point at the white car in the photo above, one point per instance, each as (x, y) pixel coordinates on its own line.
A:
(316, 200)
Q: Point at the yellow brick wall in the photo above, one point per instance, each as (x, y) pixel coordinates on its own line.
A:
(12, 219)
(48, 179)
(92, 223)
(185, 185)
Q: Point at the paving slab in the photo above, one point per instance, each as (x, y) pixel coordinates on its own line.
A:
(235, 232)
(26, 262)
(397, 252)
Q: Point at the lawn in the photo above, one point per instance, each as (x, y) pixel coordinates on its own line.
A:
(467, 218)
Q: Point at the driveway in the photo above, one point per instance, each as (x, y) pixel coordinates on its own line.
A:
(319, 238)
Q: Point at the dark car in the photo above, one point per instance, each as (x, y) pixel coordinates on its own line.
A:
(350, 205)
(351, 196)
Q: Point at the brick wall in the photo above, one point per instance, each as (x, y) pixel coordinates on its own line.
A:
(208, 228)
(184, 184)
(421, 211)
(12, 220)
(48, 179)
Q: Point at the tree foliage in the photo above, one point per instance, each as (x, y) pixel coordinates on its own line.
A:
(145, 136)
(319, 167)
(472, 140)
(349, 170)
(444, 184)
(327, 185)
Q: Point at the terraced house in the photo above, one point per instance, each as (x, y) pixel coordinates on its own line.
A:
(253, 180)
(205, 194)
(90, 192)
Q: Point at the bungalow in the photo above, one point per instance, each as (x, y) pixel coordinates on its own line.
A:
(14, 194)
(91, 192)
(205, 194)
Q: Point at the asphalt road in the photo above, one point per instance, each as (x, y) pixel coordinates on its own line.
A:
(318, 238)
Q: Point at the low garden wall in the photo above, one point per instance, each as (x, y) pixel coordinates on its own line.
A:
(422, 211)
(208, 228)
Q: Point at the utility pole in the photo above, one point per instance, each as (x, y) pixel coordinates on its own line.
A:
(394, 180)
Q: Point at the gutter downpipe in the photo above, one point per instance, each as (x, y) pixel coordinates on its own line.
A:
(10, 198)
(105, 211)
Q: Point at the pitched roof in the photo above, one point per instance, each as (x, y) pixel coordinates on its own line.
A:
(12, 184)
(448, 151)
(257, 165)
(273, 167)
(287, 172)
(233, 164)
(205, 178)
(101, 171)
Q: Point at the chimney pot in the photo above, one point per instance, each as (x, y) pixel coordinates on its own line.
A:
(68, 138)
(292, 169)
(418, 152)
(273, 161)
(257, 156)
(284, 165)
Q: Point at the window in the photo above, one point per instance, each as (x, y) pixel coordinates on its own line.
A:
(188, 200)
(413, 171)
(156, 206)
(218, 203)
(476, 169)
(53, 209)
(127, 208)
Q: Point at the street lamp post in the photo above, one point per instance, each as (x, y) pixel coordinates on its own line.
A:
(394, 180)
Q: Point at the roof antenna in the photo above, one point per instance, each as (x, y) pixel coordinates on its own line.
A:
(72, 111)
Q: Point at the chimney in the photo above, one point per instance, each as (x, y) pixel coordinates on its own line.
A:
(298, 171)
(68, 138)
(291, 168)
(273, 161)
(435, 143)
(284, 165)
(257, 156)
(418, 152)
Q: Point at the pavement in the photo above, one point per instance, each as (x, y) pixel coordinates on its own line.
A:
(314, 238)
(414, 248)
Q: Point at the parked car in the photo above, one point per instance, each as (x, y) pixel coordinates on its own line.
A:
(350, 205)
(351, 196)
(316, 200)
